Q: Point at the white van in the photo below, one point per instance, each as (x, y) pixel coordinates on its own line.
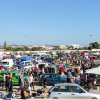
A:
(39, 57)
(36, 58)
(7, 63)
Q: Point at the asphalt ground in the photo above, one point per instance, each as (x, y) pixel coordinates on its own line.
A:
(17, 93)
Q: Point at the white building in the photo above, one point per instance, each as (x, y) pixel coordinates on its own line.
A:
(75, 45)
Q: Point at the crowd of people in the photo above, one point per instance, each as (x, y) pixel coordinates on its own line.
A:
(70, 65)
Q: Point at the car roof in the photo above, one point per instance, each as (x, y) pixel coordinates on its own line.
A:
(51, 74)
(9, 71)
(66, 84)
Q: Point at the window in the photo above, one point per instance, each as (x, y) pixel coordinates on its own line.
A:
(13, 74)
(57, 76)
(27, 63)
(63, 89)
(47, 76)
(98, 76)
(5, 63)
(76, 89)
(56, 89)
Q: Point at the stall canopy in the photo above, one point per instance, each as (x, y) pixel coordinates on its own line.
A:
(94, 70)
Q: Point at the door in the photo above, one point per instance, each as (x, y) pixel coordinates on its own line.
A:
(15, 78)
(79, 93)
(60, 92)
(56, 78)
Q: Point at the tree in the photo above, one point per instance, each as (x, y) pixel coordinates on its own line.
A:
(18, 49)
(37, 49)
(70, 47)
(89, 48)
(26, 48)
(8, 48)
(94, 45)
(56, 48)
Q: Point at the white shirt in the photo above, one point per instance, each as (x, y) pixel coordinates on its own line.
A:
(4, 77)
(30, 79)
(81, 71)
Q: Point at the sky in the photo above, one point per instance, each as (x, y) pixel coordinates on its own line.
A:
(51, 22)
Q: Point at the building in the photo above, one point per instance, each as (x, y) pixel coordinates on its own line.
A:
(75, 46)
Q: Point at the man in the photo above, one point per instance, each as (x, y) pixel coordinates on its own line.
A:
(6, 81)
(21, 81)
(10, 85)
(44, 81)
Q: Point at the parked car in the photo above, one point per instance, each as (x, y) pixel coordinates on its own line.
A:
(52, 79)
(70, 91)
(15, 76)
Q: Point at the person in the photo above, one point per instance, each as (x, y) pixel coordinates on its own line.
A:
(68, 79)
(44, 81)
(9, 96)
(94, 84)
(6, 81)
(69, 73)
(24, 94)
(89, 82)
(10, 86)
(21, 81)
(31, 79)
(45, 92)
(62, 70)
(29, 90)
(77, 79)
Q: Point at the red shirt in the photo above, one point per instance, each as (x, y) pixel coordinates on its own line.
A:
(62, 69)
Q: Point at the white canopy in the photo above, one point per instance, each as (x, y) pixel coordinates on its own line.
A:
(94, 70)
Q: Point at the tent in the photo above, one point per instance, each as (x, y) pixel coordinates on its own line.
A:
(25, 58)
(94, 70)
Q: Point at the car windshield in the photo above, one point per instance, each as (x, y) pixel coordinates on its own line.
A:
(5, 63)
(27, 63)
(76, 89)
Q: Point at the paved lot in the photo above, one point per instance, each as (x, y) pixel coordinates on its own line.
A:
(15, 88)
(18, 94)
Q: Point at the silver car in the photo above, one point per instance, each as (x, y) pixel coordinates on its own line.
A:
(71, 91)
